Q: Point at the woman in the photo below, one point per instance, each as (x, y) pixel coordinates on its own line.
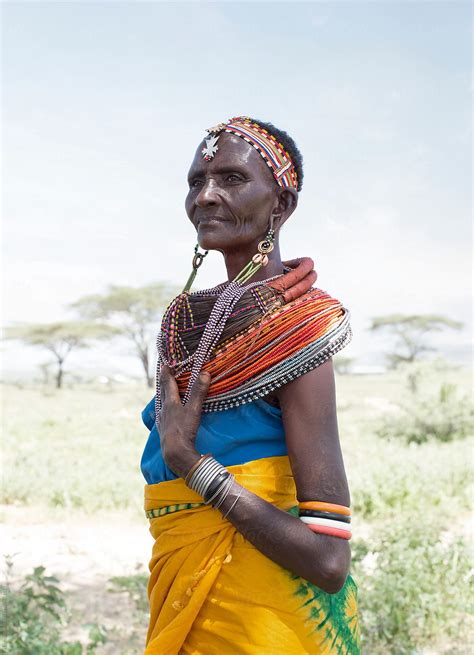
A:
(246, 490)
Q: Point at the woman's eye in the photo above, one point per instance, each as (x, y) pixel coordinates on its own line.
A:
(233, 178)
(195, 183)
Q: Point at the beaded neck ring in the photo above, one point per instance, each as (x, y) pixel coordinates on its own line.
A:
(276, 330)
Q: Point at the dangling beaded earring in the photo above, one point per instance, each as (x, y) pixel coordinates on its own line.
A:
(260, 258)
(197, 261)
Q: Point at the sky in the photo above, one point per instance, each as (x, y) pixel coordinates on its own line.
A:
(104, 104)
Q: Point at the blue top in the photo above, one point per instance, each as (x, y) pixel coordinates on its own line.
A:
(233, 436)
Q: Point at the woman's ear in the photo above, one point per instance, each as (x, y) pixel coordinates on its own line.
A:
(287, 203)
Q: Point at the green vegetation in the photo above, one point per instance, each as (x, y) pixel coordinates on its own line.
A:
(35, 614)
(77, 452)
(443, 414)
(74, 449)
(415, 583)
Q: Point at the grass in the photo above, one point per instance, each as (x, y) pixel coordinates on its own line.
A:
(77, 451)
(389, 477)
(74, 448)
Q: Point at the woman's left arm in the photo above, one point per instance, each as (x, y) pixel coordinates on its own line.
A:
(308, 407)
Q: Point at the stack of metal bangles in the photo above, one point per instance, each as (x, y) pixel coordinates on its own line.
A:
(326, 518)
(212, 481)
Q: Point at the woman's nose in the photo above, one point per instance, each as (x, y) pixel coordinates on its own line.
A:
(207, 195)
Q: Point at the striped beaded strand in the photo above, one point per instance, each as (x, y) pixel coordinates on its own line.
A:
(326, 518)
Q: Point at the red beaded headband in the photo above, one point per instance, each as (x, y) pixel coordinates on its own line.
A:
(276, 157)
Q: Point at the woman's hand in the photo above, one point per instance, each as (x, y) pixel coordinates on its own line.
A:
(177, 423)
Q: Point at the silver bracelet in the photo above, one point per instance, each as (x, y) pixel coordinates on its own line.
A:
(203, 476)
(225, 491)
(234, 503)
(218, 491)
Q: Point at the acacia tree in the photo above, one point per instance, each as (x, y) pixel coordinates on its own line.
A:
(410, 332)
(135, 312)
(59, 338)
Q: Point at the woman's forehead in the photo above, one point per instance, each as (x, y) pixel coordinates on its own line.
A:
(231, 150)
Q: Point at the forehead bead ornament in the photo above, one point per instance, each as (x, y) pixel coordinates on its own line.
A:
(210, 149)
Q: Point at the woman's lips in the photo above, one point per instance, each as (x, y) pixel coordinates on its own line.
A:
(211, 219)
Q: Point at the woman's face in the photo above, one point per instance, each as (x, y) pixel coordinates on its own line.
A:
(232, 196)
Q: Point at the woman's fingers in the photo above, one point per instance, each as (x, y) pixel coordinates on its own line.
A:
(168, 385)
(199, 391)
(170, 392)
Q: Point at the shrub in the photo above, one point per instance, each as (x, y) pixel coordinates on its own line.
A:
(33, 615)
(414, 587)
(442, 414)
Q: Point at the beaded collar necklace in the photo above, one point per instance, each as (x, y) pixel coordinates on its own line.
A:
(261, 298)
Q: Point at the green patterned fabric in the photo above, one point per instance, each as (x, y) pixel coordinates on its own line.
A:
(169, 509)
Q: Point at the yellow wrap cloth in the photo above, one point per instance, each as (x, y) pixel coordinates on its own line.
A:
(212, 592)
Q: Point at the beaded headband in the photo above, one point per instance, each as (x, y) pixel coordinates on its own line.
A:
(274, 154)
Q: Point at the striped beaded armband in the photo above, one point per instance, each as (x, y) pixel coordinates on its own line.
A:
(326, 518)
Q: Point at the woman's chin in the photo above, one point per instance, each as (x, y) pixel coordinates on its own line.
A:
(210, 239)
